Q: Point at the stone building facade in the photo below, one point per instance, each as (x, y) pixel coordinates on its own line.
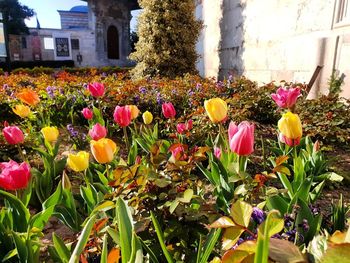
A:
(94, 35)
(276, 40)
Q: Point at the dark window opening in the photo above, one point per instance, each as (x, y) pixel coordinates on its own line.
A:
(75, 44)
(112, 43)
(24, 42)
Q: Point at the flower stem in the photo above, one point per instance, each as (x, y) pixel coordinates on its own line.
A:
(21, 152)
(126, 138)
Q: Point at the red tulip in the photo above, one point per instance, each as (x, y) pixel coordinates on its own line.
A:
(122, 115)
(286, 98)
(96, 89)
(13, 135)
(168, 110)
(14, 176)
(87, 113)
(98, 132)
(241, 138)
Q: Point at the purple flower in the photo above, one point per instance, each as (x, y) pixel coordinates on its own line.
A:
(50, 91)
(136, 99)
(288, 220)
(142, 90)
(73, 133)
(198, 86)
(258, 215)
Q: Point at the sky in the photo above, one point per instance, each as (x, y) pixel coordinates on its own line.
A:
(47, 12)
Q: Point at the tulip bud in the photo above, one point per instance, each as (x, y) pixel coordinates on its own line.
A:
(122, 116)
(134, 111)
(103, 150)
(241, 138)
(168, 110)
(286, 98)
(13, 135)
(29, 97)
(14, 176)
(21, 110)
(87, 113)
(78, 162)
(98, 132)
(290, 126)
(217, 152)
(147, 117)
(50, 134)
(96, 89)
(216, 109)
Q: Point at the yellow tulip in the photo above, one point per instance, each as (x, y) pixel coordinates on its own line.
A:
(50, 133)
(216, 109)
(103, 150)
(134, 111)
(78, 162)
(290, 125)
(21, 110)
(147, 117)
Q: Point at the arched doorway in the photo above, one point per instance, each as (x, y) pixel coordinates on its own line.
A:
(112, 43)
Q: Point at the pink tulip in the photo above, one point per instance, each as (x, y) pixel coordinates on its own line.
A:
(217, 152)
(168, 110)
(97, 132)
(241, 138)
(122, 115)
(288, 141)
(96, 89)
(14, 176)
(286, 98)
(13, 135)
(87, 113)
(184, 127)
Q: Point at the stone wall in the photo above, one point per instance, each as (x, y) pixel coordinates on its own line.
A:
(273, 40)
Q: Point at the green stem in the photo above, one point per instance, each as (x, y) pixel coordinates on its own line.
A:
(126, 138)
(21, 152)
(242, 163)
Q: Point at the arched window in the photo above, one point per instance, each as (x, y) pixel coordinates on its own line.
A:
(112, 43)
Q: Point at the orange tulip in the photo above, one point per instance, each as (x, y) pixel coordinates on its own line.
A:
(134, 111)
(28, 96)
(103, 150)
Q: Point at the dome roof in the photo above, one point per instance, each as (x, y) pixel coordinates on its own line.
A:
(79, 8)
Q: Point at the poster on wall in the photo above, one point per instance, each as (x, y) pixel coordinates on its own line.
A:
(2, 41)
(62, 47)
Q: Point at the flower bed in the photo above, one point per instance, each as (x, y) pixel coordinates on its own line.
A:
(163, 170)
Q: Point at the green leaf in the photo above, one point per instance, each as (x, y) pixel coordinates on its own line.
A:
(19, 212)
(104, 254)
(277, 202)
(105, 206)
(113, 234)
(55, 198)
(210, 244)
(151, 254)
(61, 248)
(21, 247)
(187, 196)
(83, 239)
(231, 236)
(10, 254)
(271, 226)
(160, 236)
(174, 205)
(40, 219)
(223, 222)
(126, 228)
(241, 213)
(136, 250)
